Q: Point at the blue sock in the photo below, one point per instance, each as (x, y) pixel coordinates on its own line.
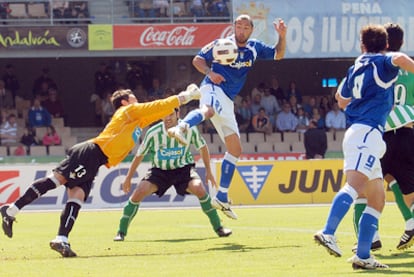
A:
(340, 206)
(367, 227)
(227, 170)
(194, 118)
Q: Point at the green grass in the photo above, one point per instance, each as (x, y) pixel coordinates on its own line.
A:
(267, 241)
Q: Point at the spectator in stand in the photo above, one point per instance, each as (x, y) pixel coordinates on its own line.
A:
(325, 105)
(303, 121)
(286, 121)
(161, 7)
(309, 106)
(42, 83)
(155, 91)
(277, 91)
(245, 116)
(317, 117)
(79, 9)
(197, 8)
(107, 108)
(259, 89)
(4, 11)
(6, 97)
(141, 93)
(293, 90)
(271, 105)
(315, 141)
(51, 137)
(52, 104)
(29, 137)
(256, 104)
(134, 77)
(38, 116)
(294, 105)
(335, 119)
(8, 131)
(261, 122)
(144, 8)
(217, 8)
(104, 80)
(60, 9)
(10, 82)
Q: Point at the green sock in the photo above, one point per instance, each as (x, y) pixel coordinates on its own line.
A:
(130, 210)
(405, 211)
(359, 207)
(212, 214)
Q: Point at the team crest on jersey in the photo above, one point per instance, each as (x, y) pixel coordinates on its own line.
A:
(254, 177)
(9, 192)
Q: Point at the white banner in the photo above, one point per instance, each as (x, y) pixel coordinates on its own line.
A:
(326, 28)
(106, 191)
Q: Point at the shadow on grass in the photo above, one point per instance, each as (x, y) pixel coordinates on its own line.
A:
(245, 248)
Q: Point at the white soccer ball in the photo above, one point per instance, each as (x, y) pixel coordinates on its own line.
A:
(225, 51)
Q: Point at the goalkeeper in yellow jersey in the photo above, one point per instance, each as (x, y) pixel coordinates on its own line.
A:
(78, 170)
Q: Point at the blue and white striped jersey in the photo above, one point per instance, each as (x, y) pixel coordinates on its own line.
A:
(370, 84)
(235, 74)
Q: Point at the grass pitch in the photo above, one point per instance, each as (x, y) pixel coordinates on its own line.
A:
(266, 241)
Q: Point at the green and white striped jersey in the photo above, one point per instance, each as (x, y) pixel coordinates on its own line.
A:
(403, 112)
(167, 153)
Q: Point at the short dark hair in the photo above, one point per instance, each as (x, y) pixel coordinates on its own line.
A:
(118, 96)
(244, 17)
(374, 38)
(395, 36)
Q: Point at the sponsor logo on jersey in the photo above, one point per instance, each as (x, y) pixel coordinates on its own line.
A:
(170, 153)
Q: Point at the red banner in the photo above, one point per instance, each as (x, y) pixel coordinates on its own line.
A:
(174, 36)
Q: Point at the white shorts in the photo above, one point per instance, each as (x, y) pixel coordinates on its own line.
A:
(363, 148)
(224, 119)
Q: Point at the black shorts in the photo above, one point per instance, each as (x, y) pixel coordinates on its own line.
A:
(164, 179)
(398, 160)
(81, 166)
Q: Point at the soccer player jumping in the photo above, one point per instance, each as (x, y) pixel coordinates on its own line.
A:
(218, 89)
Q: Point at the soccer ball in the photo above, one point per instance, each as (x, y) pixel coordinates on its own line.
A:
(225, 51)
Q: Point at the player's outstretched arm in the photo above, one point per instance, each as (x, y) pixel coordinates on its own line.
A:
(126, 185)
(205, 156)
(192, 92)
(403, 61)
(281, 29)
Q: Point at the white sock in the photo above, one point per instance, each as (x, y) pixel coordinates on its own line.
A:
(62, 238)
(409, 224)
(12, 210)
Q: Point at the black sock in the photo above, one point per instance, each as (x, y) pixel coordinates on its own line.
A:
(68, 218)
(37, 189)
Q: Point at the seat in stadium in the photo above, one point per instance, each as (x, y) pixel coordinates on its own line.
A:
(17, 10)
(248, 148)
(298, 147)
(36, 10)
(274, 137)
(256, 138)
(3, 151)
(37, 150)
(266, 147)
(282, 147)
(56, 150)
(290, 137)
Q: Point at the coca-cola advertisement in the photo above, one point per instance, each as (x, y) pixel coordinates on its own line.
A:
(178, 36)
